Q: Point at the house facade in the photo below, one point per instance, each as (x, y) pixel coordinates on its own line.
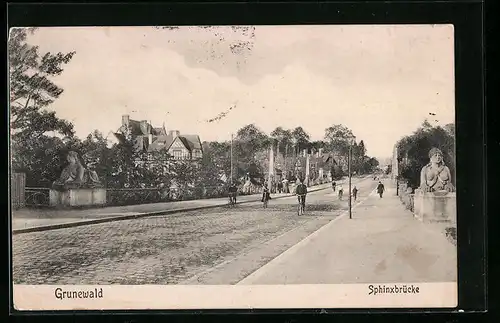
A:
(146, 138)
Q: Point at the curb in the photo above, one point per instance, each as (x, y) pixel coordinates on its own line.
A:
(135, 216)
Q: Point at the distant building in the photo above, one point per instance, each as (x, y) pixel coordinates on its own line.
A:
(395, 164)
(147, 138)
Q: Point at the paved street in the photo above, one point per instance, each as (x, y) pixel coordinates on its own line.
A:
(215, 246)
(382, 243)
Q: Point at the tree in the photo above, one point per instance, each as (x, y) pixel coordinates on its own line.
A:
(217, 157)
(450, 128)
(250, 141)
(300, 139)
(95, 154)
(373, 163)
(317, 144)
(338, 137)
(358, 157)
(283, 137)
(361, 149)
(252, 138)
(32, 90)
(413, 150)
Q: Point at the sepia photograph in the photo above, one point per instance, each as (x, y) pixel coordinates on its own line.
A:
(213, 167)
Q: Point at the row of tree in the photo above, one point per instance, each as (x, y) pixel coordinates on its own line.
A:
(40, 140)
(413, 151)
(251, 146)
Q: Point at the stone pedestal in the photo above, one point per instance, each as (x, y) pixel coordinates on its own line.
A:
(78, 197)
(435, 206)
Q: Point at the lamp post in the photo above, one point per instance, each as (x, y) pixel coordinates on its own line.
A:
(349, 162)
(231, 181)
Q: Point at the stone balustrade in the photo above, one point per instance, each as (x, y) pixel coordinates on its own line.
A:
(436, 206)
(76, 197)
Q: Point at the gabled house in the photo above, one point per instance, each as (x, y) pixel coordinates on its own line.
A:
(147, 138)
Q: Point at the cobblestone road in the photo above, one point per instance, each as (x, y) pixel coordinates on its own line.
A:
(163, 249)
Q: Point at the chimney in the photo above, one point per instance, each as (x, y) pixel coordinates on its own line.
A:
(145, 127)
(174, 133)
(125, 120)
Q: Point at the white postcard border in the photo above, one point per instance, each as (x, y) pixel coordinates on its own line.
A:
(178, 297)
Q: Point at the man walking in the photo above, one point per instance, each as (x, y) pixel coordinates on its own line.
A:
(354, 193)
(334, 185)
(380, 189)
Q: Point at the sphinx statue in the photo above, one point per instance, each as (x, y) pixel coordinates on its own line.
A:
(436, 176)
(75, 175)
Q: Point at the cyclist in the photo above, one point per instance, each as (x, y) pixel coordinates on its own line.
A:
(341, 191)
(266, 195)
(301, 192)
(232, 193)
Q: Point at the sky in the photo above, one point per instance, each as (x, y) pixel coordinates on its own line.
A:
(380, 81)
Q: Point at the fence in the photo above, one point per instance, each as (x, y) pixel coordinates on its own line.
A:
(37, 196)
(40, 197)
(17, 184)
(133, 196)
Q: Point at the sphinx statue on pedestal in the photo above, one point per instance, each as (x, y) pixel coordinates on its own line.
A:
(75, 175)
(436, 176)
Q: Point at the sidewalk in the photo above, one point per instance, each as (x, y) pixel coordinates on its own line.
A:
(382, 243)
(27, 220)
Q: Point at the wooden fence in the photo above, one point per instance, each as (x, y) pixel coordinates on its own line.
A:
(17, 187)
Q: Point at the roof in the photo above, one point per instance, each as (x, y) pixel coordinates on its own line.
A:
(165, 141)
(140, 131)
(119, 136)
(159, 131)
(193, 140)
(327, 158)
(161, 142)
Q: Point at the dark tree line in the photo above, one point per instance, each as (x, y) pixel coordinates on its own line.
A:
(413, 151)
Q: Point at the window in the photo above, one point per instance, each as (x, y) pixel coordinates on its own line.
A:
(177, 154)
(196, 153)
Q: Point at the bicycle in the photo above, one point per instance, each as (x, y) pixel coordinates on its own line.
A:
(232, 200)
(300, 208)
(266, 199)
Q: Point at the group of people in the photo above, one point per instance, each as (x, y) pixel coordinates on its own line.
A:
(301, 191)
(341, 190)
(279, 186)
(380, 190)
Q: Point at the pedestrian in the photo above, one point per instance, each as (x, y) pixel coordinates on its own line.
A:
(380, 189)
(355, 193)
(280, 187)
(334, 185)
(265, 192)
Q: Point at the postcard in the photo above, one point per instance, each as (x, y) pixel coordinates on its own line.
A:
(233, 167)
